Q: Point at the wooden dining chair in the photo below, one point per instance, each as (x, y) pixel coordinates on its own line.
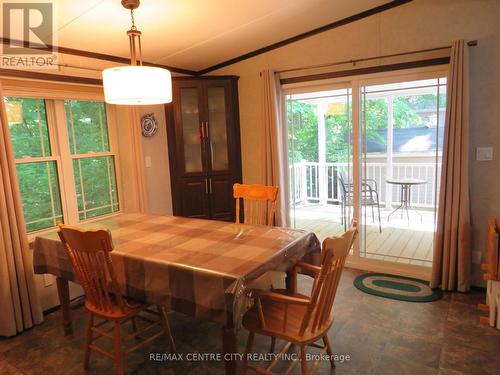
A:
(89, 253)
(259, 208)
(299, 319)
(259, 203)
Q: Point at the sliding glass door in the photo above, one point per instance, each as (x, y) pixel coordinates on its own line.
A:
(369, 150)
(402, 127)
(320, 160)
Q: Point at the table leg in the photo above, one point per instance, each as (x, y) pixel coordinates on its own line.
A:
(410, 207)
(229, 348)
(406, 200)
(401, 205)
(63, 292)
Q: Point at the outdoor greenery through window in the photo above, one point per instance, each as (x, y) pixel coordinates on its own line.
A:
(38, 144)
(369, 148)
(94, 175)
(35, 165)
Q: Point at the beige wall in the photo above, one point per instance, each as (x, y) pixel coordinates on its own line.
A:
(158, 173)
(417, 25)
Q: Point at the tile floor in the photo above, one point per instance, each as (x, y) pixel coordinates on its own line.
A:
(381, 336)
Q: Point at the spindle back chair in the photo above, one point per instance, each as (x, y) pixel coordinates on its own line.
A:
(89, 253)
(259, 203)
(298, 319)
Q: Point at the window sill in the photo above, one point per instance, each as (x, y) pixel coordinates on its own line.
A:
(33, 235)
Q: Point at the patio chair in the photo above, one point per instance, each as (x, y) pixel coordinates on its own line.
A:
(369, 197)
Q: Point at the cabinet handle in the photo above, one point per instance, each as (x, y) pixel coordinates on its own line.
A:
(206, 185)
(210, 185)
(202, 130)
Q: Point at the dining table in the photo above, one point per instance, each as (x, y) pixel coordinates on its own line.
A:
(201, 268)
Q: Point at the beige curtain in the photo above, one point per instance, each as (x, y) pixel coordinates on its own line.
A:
(20, 307)
(451, 269)
(134, 190)
(276, 144)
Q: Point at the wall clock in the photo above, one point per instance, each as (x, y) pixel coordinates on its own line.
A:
(149, 125)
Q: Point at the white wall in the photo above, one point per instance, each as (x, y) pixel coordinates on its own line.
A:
(417, 25)
(158, 173)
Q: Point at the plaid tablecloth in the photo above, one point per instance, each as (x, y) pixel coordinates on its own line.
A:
(197, 267)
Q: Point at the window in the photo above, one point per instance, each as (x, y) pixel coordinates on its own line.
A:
(51, 155)
(95, 174)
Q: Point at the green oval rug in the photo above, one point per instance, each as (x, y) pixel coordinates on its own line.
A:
(397, 287)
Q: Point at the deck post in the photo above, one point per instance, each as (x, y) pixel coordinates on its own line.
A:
(303, 180)
(390, 142)
(322, 180)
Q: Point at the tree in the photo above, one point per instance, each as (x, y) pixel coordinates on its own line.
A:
(30, 137)
(303, 125)
(302, 132)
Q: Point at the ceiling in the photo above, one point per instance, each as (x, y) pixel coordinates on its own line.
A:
(195, 34)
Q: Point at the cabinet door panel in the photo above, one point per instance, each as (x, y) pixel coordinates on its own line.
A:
(217, 125)
(188, 123)
(220, 121)
(193, 158)
(194, 197)
(221, 197)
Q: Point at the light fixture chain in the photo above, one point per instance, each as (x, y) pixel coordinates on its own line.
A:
(132, 19)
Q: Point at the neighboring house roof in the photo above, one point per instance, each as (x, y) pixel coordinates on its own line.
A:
(413, 139)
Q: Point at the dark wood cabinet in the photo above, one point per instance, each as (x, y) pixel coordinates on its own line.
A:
(204, 146)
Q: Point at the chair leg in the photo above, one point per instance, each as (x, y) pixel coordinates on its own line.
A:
(88, 340)
(326, 342)
(166, 328)
(117, 339)
(134, 325)
(303, 360)
(248, 349)
(273, 344)
(134, 328)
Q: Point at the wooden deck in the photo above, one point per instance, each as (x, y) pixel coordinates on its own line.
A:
(401, 240)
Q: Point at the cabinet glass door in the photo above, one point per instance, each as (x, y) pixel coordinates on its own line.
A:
(217, 128)
(191, 130)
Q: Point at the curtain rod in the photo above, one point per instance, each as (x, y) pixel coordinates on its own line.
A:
(470, 44)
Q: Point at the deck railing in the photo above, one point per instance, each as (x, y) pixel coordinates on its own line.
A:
(315, 182)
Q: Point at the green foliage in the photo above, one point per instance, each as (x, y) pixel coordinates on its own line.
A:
(38, 181)
(86, 123)
(302, 131)
(338, 137)
(30, 136)
(303, 135)
(99, 186)
(35, 179)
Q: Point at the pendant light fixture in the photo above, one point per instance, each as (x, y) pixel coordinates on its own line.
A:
(136, 84)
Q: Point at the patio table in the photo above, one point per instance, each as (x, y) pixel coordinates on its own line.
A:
(201, 268)
(405, 195)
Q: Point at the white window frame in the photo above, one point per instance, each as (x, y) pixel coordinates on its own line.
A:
(60, 153)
